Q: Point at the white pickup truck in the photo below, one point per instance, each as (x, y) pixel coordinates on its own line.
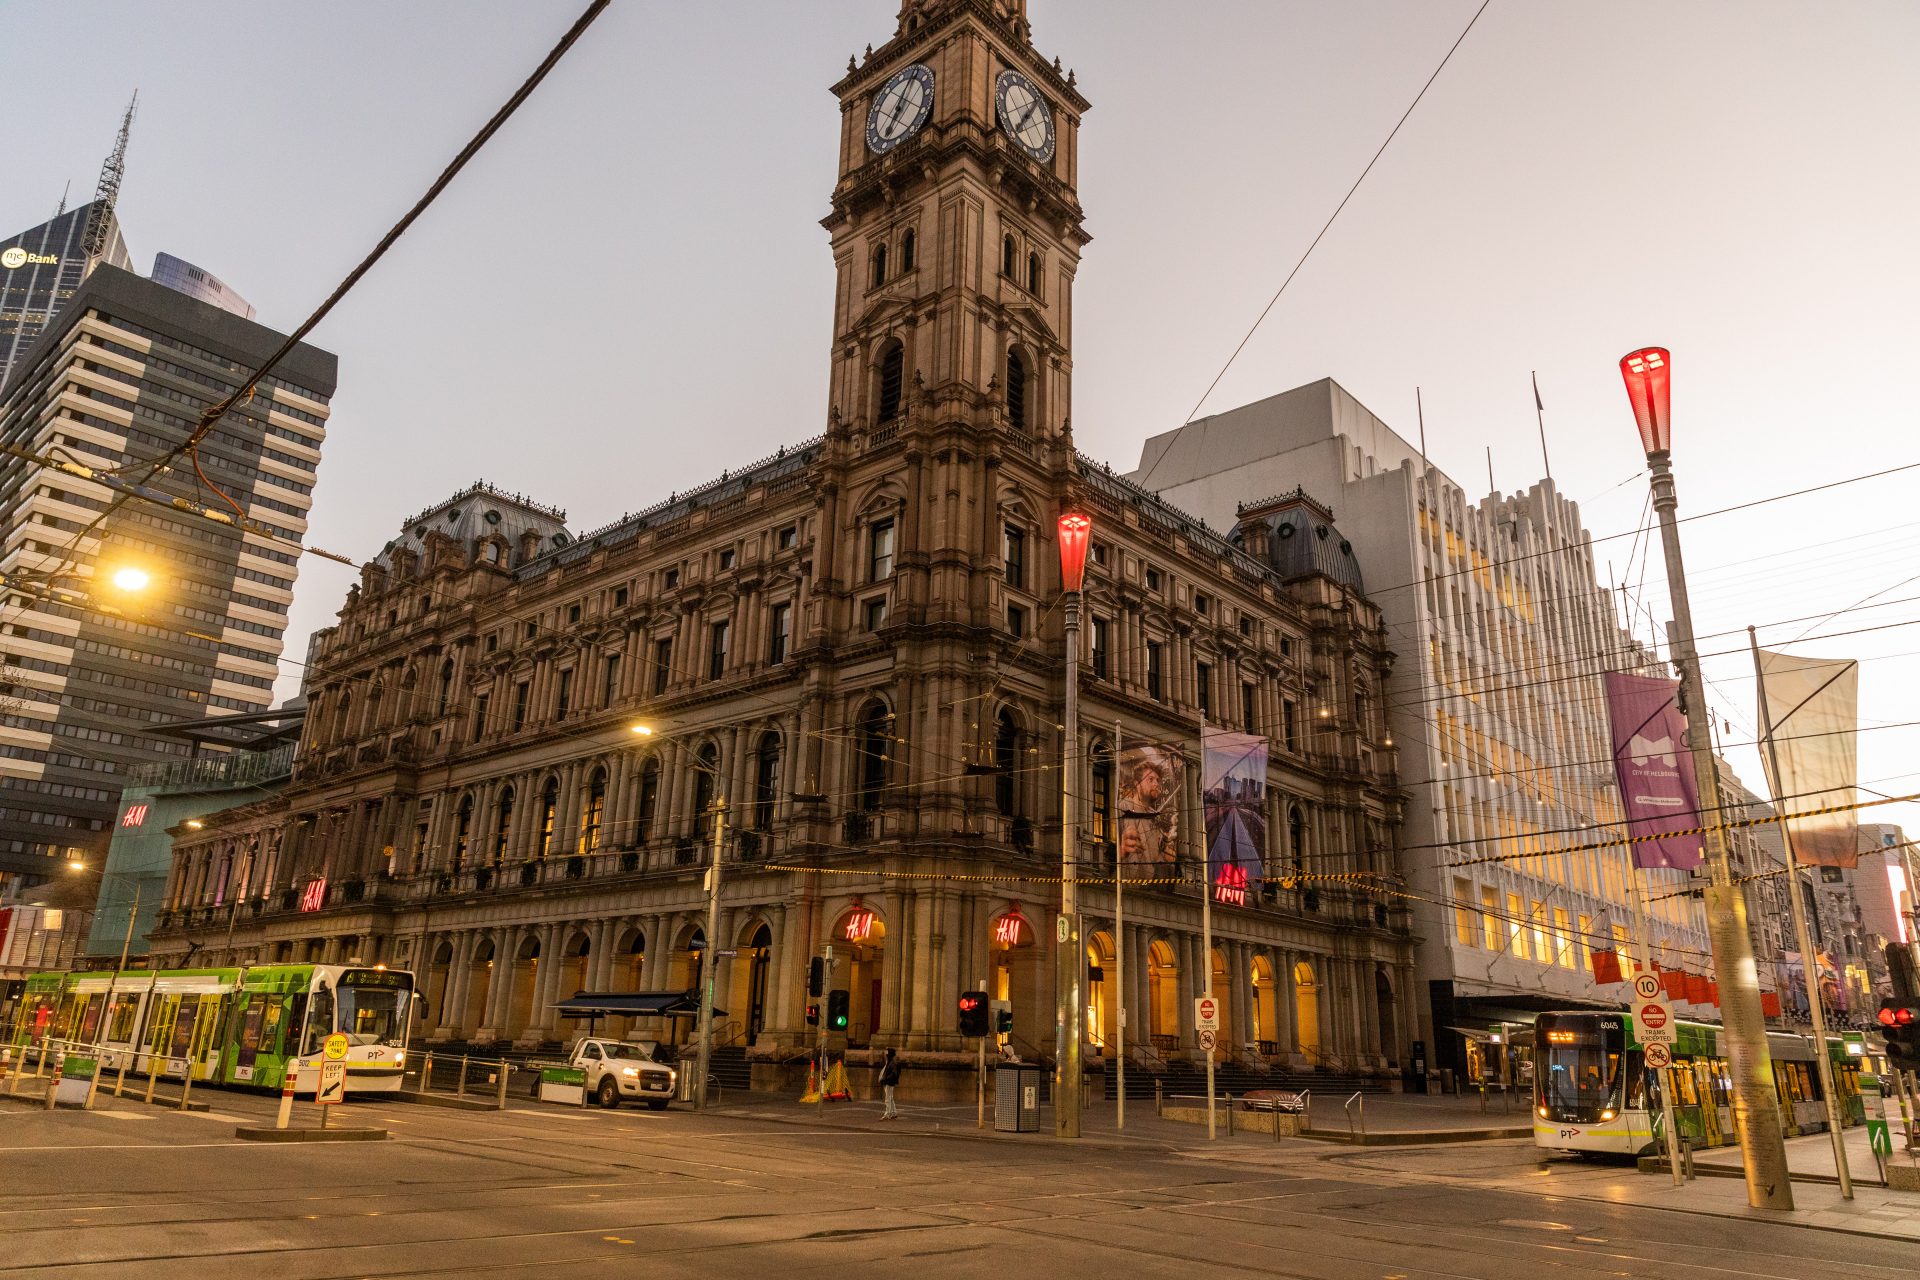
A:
(621, 1070)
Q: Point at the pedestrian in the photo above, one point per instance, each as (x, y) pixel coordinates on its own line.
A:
(889, 1080)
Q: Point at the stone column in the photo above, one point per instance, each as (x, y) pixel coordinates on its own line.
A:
(1240, 971)
(895, 1009)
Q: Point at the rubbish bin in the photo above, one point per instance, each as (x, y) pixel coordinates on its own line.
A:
(1016, 1098)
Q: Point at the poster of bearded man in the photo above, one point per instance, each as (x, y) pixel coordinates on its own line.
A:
(1151, 783)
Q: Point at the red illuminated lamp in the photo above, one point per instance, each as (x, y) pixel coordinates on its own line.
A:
(1075, 531)
(1902, 1017)
(1649, 375)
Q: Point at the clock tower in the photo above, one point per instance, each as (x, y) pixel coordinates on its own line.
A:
(956, 228)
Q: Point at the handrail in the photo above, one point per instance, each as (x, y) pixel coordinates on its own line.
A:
(1360, 1097)
(1306, 1109)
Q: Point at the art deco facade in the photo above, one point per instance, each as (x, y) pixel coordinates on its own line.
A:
(856, 645)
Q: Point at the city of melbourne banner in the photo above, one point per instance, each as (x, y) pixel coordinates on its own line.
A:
(1149, 825)
(1656, 784)
(1234, 773)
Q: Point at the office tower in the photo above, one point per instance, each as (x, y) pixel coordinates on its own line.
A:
(197, 282)
(42, 267)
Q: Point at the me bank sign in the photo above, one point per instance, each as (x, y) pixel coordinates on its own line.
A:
(14, 256)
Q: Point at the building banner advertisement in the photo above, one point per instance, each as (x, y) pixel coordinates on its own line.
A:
(1234, 797)
(1656, 785)
(1793, 985)
(1151, 778)
(1813, 705)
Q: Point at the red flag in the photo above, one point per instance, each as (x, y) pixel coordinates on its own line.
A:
(1713, 993)
(1697, 988)
(1770, 1004)
(1606, 967)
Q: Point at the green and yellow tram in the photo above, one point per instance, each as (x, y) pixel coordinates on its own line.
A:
(227, 1026)
(1592, 1091)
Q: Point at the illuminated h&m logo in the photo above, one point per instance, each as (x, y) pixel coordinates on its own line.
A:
(136, 815)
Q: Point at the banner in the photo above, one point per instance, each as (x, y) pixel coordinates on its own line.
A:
(1233, 771)
(1656, 784)
(1793, 986)
(1150, 785)
(1606, 966)
(1813, 704)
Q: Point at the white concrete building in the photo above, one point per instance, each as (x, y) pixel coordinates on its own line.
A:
(1495, 703)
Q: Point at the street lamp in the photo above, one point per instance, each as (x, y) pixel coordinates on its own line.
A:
(1648, 375)
(1075, 531)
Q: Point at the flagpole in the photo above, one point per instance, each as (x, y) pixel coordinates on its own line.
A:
(1809, 962)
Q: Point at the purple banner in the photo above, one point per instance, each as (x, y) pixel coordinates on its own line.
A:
(1656, 780)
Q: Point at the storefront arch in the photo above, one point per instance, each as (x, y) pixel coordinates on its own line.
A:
(1264, 1005)
(1306, 1004)
(860, 931)
(1103, 1004)
(1019, 977)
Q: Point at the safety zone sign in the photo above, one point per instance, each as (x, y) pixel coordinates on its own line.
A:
(1206, 1014)
(1652, 1015)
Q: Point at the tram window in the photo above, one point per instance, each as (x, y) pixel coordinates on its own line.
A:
(373, 1015)
(250, 1025)
(120, 1026)
(271, 1024)
(296, 1023)
(1578, 1075)
(319, 1020)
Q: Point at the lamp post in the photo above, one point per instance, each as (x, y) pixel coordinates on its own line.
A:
(1075, 531)
(1756, 1118)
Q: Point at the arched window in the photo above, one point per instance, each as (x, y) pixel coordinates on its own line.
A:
(1297, 839)
(1103, 816)
(594, 812)
(874, 740)
(706, 768)
(649, 800)
(893, 372)
(1008, 255)
(907, 247)
(549, 809)
(1016, 389)
(1006, 759)
(462, 832)
(343, 719)
(1362, 710)
(446, 687)
(766, 782)
(879, 265)
(374, 698)
(502, 825)
(1033, 273)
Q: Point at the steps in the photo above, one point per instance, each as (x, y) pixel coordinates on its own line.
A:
(1186, 1078)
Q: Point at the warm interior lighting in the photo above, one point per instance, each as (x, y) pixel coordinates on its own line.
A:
(1075, 532)
(1649, 376)
(129, 578)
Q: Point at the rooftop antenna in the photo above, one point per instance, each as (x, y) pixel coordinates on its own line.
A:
(1540, 416)
(1420, 409)
(64, 191)
(107, 194)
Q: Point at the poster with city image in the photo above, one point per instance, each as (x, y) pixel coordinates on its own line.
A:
(1234, 778)
(1151, 775)
(1793, 985)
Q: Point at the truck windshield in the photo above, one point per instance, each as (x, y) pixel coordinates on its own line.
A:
(373, 1015)
(636, 1049)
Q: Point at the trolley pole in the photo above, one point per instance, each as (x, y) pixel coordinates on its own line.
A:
(711, 962)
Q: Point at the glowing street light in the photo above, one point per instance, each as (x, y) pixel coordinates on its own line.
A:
(643, 730)
(131, 578)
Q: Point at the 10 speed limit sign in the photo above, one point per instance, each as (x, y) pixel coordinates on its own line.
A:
(1652, 1015)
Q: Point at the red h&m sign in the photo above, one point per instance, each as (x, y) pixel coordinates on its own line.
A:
(1006, 930)
(136, 815)
(314, 896)
(859, 924)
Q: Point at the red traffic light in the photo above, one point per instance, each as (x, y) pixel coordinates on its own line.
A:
(1904, 1016)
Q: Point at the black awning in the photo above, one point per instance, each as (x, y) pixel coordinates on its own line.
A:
(632, 1004)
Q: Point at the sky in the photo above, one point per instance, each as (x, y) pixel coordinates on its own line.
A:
(629, 289)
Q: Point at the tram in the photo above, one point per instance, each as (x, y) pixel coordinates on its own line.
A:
(227, 1026)
(1593, 1093)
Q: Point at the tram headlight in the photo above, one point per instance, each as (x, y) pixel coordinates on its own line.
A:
(1543, 1113)
(1607, 1114)
(400, 1058)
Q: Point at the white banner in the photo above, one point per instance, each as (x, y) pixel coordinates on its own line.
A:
(1814, 706)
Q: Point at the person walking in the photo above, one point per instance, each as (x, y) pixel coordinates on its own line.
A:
(889, 1081)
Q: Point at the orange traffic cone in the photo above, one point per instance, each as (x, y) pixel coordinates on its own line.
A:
(812, 1095)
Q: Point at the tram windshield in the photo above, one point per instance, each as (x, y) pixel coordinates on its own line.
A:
(1579, 1060)
(373, 1009)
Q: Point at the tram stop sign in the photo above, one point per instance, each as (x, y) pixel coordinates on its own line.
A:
(335, 1047)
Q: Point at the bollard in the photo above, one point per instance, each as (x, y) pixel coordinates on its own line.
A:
(426, 1074)
(40, 1063)
(54, 1088)
(460, 1091)
(1159, 1101)
(93, 1087)
(500, 1104)
(1229, 1115)
(287, 1087)
(186, 1085)
(120, 1081)
(153, 1078)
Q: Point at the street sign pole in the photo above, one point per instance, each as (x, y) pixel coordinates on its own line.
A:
(1653, 1027)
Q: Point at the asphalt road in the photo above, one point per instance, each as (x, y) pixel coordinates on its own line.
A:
(549, 1192)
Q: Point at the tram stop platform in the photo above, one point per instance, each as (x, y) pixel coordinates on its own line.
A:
(311, 1133)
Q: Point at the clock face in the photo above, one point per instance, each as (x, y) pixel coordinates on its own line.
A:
(1024, 114)
(900, 107)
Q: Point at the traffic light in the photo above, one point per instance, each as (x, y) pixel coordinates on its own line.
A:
(816, 977)
(837, 1002)
(973, 1014)
(813, 1013)
(1003, 1017)
(1900, 1024)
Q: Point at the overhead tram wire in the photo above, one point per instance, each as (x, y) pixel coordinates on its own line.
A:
(1325, 227)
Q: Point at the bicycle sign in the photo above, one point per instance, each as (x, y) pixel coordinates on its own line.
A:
(1658, 1056)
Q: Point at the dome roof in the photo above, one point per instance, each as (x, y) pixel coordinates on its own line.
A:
(1296, 535)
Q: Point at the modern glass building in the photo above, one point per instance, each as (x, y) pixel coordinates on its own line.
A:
(198, 282)
(119, 378)
(41, 268)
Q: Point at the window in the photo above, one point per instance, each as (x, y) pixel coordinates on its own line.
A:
(619, 597)
(1562, 938)
(1247, 701)
(717, 650)
(610, 681)
(706, 768)
(1542, 949)
(1297, 837)
(1013, 552)
(907, 246)
(1246, 625)
(649, 800)
(480, 715)
(1489, 919)
(880, 551)
(1102, 828)
(1153, 669)
(726, 560)
(521, 692)
(893, 374)
(662, 665)
(1582, 945)
(1100, 648)
(493, 642)
(1153, 579)
(1016, 621)
(1033, 273)
(563, 699)
(1466, 923)
(874, 736)
(1203, 687)
(462, 831)
(1290, 724)
(879, 265)
(787, 538)
(446, 686)
(1016, 389)
(549, 809)
(779, 633)
(1286, 646)
(671, 579)
(502, 824)
(595, 812)
(766, 783)
(873, 614)
(1006, 761)
(1008, 254)
(1097, 552)
(1202, 603)
(1516, 927)
(573, 613)
(532, 630)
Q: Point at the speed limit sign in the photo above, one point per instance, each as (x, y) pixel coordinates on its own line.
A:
(1647, 986)
(1658, 1056)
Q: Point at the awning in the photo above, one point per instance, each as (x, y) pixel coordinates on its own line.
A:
(632, 1004)
(1473, 1033)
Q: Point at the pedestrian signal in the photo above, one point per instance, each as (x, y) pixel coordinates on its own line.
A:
(816, 977)
(837, 1002)
(1003, 1017)
(973, 1014)
(1900, 1024)
(813, 1013)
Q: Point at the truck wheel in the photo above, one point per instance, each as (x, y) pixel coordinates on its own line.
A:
(656, 1104)
(608, 1094)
